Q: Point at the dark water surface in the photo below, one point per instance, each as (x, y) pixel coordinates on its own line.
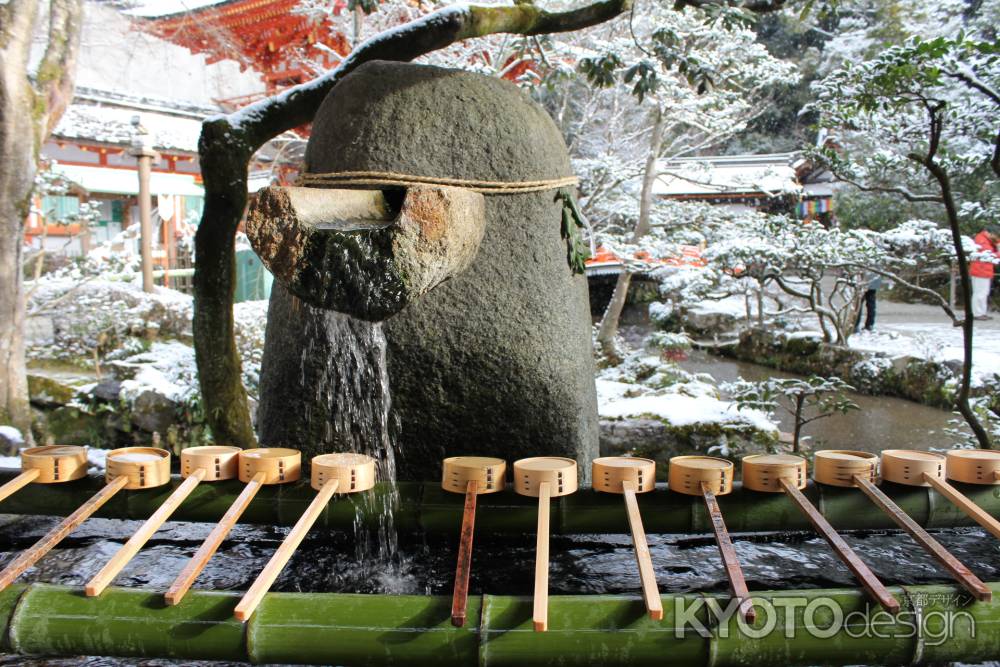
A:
(587, 564)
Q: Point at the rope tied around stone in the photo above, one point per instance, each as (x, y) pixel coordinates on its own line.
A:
(390, 178)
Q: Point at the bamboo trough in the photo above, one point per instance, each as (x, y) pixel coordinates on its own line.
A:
(787, 473)
(629, 476)
(708, 477)
(331, 473)
(915, 468)
(415, 630)
(130, 468)
(470, 476)
(256, 468)
(543, 477)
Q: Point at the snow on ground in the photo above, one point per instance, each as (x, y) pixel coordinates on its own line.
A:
(934, 342)
(735, 306)
(166, 368)
(647, 386)
(681, 410)
(11, 435)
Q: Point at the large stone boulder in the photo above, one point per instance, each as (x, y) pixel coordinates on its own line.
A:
(496, 361)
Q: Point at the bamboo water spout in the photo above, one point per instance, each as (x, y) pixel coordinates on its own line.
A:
(709, 477)
(543, 477)
(127, 468)
(51, 464)
(343, 472)
(470, 475)
(210, 463)
(628, 476)
(256, 468)
(915, 468)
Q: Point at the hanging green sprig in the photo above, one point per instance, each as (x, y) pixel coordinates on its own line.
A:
(577, 250)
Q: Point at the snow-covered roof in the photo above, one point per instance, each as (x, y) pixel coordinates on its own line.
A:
(126, 181)
(113, 125)
(771, 174)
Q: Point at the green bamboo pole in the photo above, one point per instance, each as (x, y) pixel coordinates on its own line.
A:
(403, 631)
(426, 507)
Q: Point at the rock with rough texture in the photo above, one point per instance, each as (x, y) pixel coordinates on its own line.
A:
(497, 360)
(349, 251)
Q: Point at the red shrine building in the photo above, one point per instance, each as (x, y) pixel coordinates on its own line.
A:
(164, 68)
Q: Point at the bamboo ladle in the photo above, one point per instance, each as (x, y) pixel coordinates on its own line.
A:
(785, 473)
(840, 467)
(628, 476)
(543, 477)
(708, 477)
(471, 475)
(915, 468)
(126, 468)
(970, 466)
(198, 464)
(331, 473)
(51, 464)
(256, 468)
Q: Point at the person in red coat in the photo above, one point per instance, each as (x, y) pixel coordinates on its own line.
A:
(982, 272)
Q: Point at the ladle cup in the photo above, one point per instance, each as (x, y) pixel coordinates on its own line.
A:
(472, 476)
(628, 476)
(256, 468)
(708, 477)
(51, 464)
(130, 468)
(331, 473)
(543, 477)
(970, 466)
(210, 463)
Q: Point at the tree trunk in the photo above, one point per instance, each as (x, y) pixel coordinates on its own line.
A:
(612, 314)
(28, 111)
(797, 429)
(962, 400)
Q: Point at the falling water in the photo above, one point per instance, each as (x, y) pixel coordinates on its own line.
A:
(350, 401)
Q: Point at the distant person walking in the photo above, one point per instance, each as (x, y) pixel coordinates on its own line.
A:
(868, 303)
(982, 273)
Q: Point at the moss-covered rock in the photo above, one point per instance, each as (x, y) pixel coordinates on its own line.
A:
(49, 391)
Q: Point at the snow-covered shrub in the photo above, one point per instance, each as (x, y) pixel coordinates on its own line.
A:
(868, 374)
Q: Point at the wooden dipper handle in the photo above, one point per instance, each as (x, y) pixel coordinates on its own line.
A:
(18, 483)
(61, 530)
(974, 511)
(200, 559)
(867, 578)
(460, 596)
(102, 579)
(263, 582)
(650, 591)
(540, 614)
(961, 573)
(737, 583)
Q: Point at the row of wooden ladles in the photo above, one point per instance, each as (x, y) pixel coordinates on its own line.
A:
(543, 477)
